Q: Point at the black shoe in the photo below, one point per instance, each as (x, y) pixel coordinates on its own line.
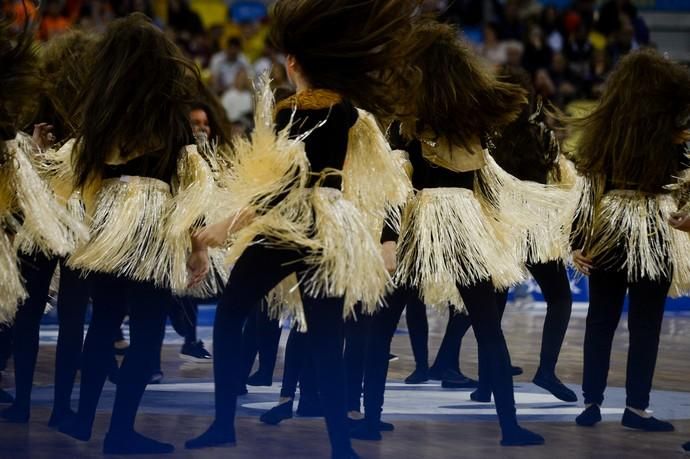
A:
(517, 371)
(348, 454)
(436, 374)
(156, 377)
(57, 417)
(212, 437)
(15, 415)
(481, 396)
(455, 380)
(5, 397)
(417, 377)
(518, 436)
(386, 426)
(277, 414)
(309, 407)
(686, 447)
(392, 357)
(195, 352)
(134, 443)
(633, 421)
(554, 385)
(364, 430)
(589, 417)
(72, 426)
(259, 379)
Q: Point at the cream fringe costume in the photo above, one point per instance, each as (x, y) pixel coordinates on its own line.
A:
(458, 236)
(338, 230)
(140, 226)
(46, 225)
(636, 224)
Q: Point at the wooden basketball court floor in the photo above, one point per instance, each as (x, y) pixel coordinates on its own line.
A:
(430, 422)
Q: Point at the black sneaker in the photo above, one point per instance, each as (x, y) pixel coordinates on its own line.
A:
(417, 377)
(517, 371)
(392, 357)
(213, 437)
(456, 380)
(195, 352)
(633, 421)
(554, 385)
(686, 447)
(156, 377)
(519, 436)
(134, 443)
(277, 414)
(15, 414)
(481, 396)
(365, 430)
(5, 397)
(259, 379)
(589, 417)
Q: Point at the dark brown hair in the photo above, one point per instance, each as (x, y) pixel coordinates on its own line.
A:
(458, 97)
(353, 47)
(135, 99)
(64, 65)
(629, 137)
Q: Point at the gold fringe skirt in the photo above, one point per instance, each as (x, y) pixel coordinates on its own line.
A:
(343, 257)
(447, 240)
(630, 230)
(129, 237)
(11, 286)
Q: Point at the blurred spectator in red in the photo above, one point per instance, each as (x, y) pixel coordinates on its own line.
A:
(55, 20)
(225, 65)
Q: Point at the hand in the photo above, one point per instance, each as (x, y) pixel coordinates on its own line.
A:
(390, 260)
(43, 135)
(682, 137)
(680, 221)
(197, 266)
(582, 262)
(216, 234)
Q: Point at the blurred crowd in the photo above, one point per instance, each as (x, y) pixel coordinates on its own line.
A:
(568, 47)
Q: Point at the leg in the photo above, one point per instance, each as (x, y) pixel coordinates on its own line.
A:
(268, 341)
(480, 300)
(483, 392)
(356, 331)
(418, 328)
(73, 300)
(326, 338)
(250, 342)
(255, 273)
(37, 271)
(448, 356)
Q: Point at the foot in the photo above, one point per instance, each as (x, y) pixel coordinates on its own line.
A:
(521, 437)
(517, 371)
(260, 379)
(554, 385)
(5, 397)
(114, 375)
(392, 357)
(589, 417)
(71, 425)
(686, 447)
(134, 443)
(309, 407)
(455, 380)
(195, 352)
(417, 377)
(436, 374)
(15, 414)
(386, 426)
(481, 396)
(277, 414)
(156, 377)
(58, 416)
(365, 430)
(214, 436)
(633, 421)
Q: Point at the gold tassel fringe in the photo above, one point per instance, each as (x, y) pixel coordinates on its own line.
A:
(216, 279)
(285, 302)
(11, 286)
(446, 240)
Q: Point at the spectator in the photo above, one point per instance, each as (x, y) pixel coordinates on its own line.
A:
(182, 19)
(510, 25)
(578, 52)
(537, 54)
(238, 101)
(622, 41)
(550, 27)
(55, 20)
(493, 49)
(225, 65)
(514, 52)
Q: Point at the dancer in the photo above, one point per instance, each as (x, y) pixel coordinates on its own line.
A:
(338, 54)
(448, 247)
(628, 152)
(146, 186)
(63, 66)
(528, 149)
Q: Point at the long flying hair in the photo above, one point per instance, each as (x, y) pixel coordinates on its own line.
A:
(357, 48)
(458, 97)
(135, 99)
(629, 137)
(64, 65)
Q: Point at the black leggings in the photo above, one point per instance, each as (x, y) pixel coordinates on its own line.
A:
(646, 303)
(183, 313)
(73, 298)
(418, 329)
(256, 272)
(298, 367)
(448, 356)
(147, 306)
(552, 278)
(356, 335)
(480, 300)
(261, 335)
